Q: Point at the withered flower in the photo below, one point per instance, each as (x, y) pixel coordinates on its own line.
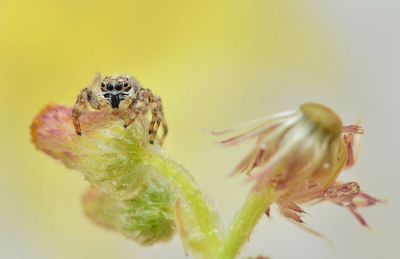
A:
(301, 153)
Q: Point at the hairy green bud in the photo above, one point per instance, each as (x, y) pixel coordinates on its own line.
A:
(136, 187)
(146, 219)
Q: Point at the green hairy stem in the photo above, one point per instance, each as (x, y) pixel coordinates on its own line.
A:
(244, 222)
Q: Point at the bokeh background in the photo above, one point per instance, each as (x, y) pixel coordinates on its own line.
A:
(215, 64)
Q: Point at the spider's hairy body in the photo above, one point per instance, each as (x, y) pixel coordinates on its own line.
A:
(122, 96)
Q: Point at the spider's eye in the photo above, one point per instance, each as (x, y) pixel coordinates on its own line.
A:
(103, 87)
(110, 87)
(118, 87)
(126, 84)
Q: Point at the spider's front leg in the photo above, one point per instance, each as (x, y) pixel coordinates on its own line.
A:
(157, 119)
(87, 96)
(140, 105)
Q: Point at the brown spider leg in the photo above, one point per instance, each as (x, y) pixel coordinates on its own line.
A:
(153, 121)
(79, 106)
(157, 120)
(86, 96)
(139, 106)
(154, 132)
(132, 119)
(165, 131)
(150, 98)
(164, 123)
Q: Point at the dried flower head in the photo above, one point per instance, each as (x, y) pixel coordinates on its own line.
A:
(300, 153)
(293, 147)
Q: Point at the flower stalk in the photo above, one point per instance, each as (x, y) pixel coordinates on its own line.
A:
(199, 217)
(245, 221)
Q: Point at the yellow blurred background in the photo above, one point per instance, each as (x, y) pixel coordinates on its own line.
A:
(215, 64)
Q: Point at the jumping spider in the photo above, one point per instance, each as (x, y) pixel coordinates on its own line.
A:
(124, 97)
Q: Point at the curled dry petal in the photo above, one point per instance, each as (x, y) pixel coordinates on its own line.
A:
(350, 196)
(350, 139)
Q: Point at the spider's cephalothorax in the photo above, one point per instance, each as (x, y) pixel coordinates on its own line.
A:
(122, 93)
(116, 89)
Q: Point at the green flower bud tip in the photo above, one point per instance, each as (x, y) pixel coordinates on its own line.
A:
(148, 218)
